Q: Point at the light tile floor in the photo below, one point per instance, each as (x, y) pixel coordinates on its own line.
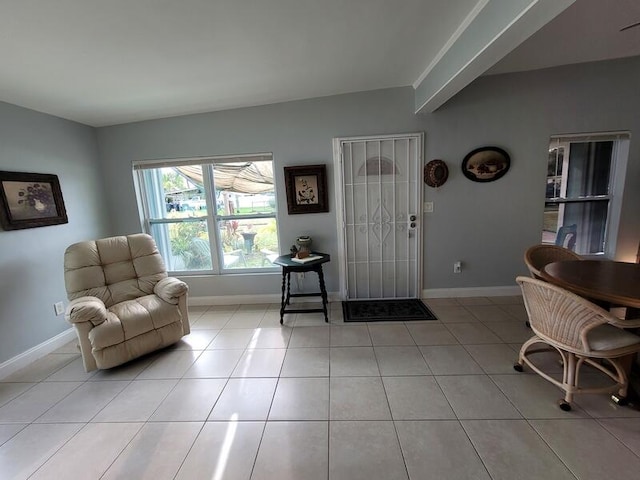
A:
(243, 397)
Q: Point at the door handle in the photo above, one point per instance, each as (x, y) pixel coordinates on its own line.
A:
(412, 224)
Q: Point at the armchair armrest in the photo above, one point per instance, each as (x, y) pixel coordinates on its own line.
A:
(625, 323)
(86, 309)
(170, 289)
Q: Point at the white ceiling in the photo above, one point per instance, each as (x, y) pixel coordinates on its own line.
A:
(587, 31)
(104, 62)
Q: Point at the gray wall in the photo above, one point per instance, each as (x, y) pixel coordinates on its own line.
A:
(486, 226)
(31, 260)
(296, 132)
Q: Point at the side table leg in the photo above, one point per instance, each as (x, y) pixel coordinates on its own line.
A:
(323, 293)
(282, 302)
(288, 300)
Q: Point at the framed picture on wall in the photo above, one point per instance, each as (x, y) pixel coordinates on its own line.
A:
(29, 200)
(486, 164)
(306, 189)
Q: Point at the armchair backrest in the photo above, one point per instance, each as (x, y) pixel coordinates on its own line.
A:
(113, 269)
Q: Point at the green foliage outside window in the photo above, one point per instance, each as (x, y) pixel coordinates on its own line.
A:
(190, 242)
(184, 243)
(267, 237)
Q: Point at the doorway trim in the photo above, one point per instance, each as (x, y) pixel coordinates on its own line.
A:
(340, 202)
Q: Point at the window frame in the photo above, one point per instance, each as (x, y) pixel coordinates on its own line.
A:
(212, 218)
(617, 169)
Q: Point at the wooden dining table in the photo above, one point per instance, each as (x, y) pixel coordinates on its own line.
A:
(605, 281)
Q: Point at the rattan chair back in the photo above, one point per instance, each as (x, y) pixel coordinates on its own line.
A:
(560, 317)
(538, 256)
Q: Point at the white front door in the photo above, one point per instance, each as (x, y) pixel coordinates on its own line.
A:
(379, 227)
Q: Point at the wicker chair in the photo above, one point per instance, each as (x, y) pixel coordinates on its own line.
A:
(538, 256)
(581, 332)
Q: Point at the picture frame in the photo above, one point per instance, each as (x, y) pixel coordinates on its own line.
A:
(29, 200)
(486, 164)
(306, 189)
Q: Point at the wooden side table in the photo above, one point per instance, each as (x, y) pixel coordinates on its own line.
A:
(288, 265)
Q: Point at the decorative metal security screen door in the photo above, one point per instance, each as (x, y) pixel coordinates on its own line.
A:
(380, 206)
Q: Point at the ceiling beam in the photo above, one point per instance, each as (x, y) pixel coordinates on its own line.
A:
(490, 31)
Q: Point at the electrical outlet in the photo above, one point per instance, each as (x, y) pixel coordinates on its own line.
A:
(58, 308)
(457, 267)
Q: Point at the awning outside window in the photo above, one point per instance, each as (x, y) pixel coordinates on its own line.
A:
(240, 177)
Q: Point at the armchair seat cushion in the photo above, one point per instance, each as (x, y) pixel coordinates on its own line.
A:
(604, 338)
(132, 318)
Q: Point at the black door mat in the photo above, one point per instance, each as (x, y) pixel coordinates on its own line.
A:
(386, 310)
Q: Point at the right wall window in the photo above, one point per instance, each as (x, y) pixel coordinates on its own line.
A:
(580, 191)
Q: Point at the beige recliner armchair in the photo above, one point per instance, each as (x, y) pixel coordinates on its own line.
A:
(122, 303)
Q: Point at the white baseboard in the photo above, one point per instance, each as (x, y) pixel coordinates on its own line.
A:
(254, 299)
(506, 291)
(231, 300)
(22, 360)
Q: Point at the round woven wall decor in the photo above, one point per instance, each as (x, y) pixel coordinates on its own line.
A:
(435, 173)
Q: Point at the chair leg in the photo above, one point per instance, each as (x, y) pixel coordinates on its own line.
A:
(564, 405)
(621, 400)
(621, 397)
(519, 365)
(571, 366)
